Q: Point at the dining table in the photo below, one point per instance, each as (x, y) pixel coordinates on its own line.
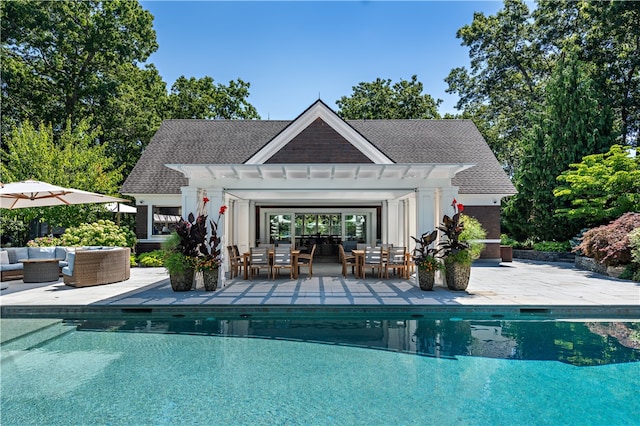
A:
(246, 256)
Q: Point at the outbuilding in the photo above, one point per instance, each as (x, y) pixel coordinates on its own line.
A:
(317, 179)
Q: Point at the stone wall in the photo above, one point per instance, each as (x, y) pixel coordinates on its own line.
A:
(590, 264)
(544, 256)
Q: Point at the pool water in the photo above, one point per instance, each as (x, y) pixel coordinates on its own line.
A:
(325, 372)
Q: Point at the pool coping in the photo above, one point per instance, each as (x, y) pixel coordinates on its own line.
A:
(191, 312)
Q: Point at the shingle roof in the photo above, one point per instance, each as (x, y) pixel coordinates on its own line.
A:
(235, 141)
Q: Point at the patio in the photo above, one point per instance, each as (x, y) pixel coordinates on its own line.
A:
(520, 287)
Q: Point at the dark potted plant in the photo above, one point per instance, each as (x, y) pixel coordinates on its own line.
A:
(209, 263)
(424, 256)
(182, 249)
(459, 248)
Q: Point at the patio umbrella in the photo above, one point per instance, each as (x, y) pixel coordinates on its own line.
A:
(120, 208)
(33, 193)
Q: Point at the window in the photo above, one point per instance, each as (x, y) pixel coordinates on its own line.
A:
(165, 219)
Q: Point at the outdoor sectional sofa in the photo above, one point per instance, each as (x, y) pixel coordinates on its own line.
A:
(97, 266)
(12, 269)
(79, 266)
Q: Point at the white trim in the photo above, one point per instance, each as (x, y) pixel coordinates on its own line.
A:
(319, 110)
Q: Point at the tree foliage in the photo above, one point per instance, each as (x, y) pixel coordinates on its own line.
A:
(513, 55)
(76, 161)
(380, 100)
(201, 98)
(601, 187)
(572, 125)
(70, 61)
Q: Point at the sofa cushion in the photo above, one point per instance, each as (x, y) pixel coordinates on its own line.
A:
(17, 253)
(68, 270)
(4, 257)
(61, 253)
(11, 267)
(42, 252)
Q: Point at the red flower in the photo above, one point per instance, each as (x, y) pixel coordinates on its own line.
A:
(454, 202)
(460, 208)
(206, 200)
(222, 210)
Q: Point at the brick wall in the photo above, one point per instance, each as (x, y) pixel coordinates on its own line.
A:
(489, 217)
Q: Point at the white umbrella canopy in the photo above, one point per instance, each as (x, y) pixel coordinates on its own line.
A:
(120, 208)
(33, 193)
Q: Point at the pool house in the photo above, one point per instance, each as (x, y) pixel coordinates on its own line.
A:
(317, 179)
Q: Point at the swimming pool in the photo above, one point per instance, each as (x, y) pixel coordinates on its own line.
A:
(369, 371)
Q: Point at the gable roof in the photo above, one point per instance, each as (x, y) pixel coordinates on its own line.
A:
(240, 141)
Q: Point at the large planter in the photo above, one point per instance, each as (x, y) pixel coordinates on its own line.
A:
(182, 281)
(457, 275)
(426, 279)
(210, 279)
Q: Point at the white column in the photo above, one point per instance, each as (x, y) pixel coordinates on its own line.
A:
(242, 226)
(446, 198)
(425, 210)
(189, 201)
(393, 223)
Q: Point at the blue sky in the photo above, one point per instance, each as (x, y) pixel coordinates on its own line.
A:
(294, 52)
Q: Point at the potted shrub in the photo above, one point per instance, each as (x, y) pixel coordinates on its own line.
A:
(424, 256)
(459, 248)
(188, 251)
(180, 256)
(209, 264)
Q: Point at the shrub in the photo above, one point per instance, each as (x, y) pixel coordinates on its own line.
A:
(152, 259)
(100, 233)
(44, 242)
(505, 240)
(609, 244)
(552, 246)
(473, 231)
(634, 245)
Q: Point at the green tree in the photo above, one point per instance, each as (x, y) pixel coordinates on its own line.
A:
(601, 188)
(75, 161)
(60, 60)
(380, 100)
(572, 125)
(202, 98)
(608, 36)
(505, 80)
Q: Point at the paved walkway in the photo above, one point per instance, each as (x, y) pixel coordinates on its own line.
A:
(520, 284)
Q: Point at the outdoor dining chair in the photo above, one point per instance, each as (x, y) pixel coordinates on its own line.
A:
(306, 260)
(396, 259)
(346, 260)
(235, 262)
(282, 259)
(259, 259)
(373, 260)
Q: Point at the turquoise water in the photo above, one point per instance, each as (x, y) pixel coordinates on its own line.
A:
(325, 372)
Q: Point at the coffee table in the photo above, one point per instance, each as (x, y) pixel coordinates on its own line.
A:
(40, 270)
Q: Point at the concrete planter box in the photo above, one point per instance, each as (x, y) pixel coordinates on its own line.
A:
(544, 256)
